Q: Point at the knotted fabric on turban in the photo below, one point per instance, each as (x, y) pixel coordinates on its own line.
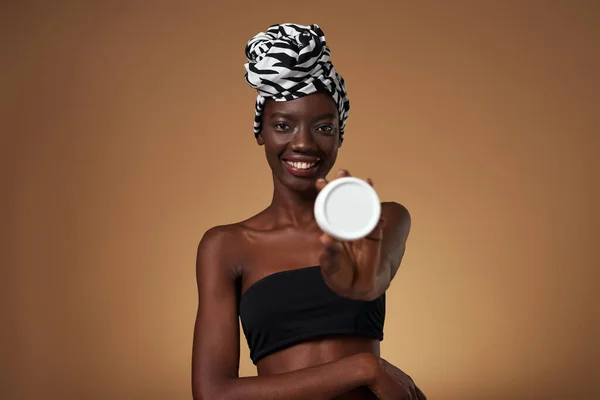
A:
(290, 61)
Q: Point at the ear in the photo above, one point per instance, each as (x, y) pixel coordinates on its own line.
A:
(260, 139)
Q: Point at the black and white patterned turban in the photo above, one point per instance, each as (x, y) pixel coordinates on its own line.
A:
(289, 61)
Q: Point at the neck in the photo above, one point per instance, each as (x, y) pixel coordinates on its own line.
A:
(293, 207)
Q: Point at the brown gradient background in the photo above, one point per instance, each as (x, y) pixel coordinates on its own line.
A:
(127, 132)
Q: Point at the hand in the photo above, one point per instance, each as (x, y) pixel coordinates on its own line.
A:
(350, 268)
(388, 388)
(392, 383)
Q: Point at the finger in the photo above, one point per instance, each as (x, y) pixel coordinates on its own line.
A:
(329, 260)
(328, 265)
(321, 183)
(331, 250)
(331, 245)
(342, 173)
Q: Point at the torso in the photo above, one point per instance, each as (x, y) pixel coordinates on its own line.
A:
(268, 249)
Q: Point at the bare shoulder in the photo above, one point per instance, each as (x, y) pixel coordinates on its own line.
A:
(227, 244)
(220, 247)
(218, 236)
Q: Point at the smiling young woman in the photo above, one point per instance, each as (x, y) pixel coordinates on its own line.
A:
(312, 308)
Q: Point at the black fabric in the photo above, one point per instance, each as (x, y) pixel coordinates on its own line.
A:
(289, 307)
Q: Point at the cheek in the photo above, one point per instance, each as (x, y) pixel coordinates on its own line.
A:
(273, 150)
(329, 145)
(272, 147)
(333, 157)
(274, 140)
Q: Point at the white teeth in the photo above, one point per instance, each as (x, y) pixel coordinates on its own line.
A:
(301, 165)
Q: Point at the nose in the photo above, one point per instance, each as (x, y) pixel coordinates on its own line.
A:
(303, 140)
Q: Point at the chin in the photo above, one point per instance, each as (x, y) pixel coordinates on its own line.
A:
(302, 185)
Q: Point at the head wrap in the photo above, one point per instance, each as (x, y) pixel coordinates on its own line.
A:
(290, 61)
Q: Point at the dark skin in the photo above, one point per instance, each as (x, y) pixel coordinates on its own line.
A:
(285, 236)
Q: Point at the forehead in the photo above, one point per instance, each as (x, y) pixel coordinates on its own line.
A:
(309, 105)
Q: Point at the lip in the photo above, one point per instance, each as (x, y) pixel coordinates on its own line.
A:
(301, 172)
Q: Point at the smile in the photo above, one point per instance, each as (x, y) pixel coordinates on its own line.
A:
(301, 165)
(301, 168)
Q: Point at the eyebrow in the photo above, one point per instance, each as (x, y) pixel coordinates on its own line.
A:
(289, 116)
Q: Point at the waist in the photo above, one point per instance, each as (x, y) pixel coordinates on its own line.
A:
(315, 352)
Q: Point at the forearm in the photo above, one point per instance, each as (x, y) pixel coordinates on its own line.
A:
(385, 274)
(325, 382)
(382, 282)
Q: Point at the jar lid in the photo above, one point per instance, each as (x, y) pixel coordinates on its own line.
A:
(347, 208)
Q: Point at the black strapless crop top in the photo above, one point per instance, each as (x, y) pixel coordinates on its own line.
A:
(288, 307)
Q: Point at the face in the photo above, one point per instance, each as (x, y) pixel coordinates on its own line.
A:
(301, 139)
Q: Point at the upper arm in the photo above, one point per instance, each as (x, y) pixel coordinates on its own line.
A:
(216, 351)
(395, 233)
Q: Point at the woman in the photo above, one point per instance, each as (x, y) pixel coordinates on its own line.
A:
(312, 308)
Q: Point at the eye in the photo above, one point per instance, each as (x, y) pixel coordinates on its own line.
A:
(327, 129)
(281, 127)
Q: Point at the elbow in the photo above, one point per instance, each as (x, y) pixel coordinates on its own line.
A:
(204, 394)
(198, 391)
(210, 390)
